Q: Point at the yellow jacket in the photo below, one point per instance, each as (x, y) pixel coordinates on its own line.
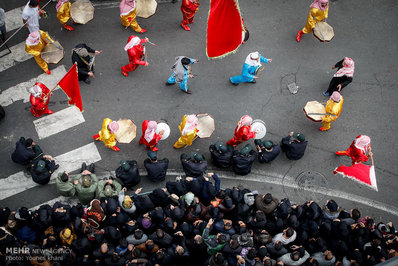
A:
(63, 13)
(35, 50)
(186, 139)
(334, 109)
(316, 15)
(106, 136)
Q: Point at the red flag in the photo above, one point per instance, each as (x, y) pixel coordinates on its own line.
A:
(70, 85)
(224, 28)
(362, 173)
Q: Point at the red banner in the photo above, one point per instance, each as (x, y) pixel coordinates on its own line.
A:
(70, 85)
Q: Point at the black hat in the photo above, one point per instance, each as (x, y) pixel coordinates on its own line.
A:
(300, 137)
(64, 177)
(198, 157)
(220, 146)
(28, 142)
(332, 206)
(267, 198)
(268, 144)
(125, 165)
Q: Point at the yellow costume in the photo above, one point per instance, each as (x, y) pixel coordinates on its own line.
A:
(35, 50)
(130, 20)
(105, 134)
(63, 13)
(186, 139)
(334, 109)
(315, 15)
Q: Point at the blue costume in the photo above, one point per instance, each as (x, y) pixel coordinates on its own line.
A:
(180, 73)
(248, 71)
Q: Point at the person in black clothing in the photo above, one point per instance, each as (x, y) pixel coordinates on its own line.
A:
(25, 151)
(84, 61)
(42, 168)
(294, 145)
(156, 169)
(342, 77)
(267, 150)
(221, 154)
(243, 160)
(194, 165)
(128, 173)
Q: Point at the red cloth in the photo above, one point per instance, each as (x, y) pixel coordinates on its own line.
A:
(224, 28)
(39, 106)
(243, 134)
(135, 55)
(359, 172)
(188, 10)
(356, 154)
(70, 85)
(156, 137)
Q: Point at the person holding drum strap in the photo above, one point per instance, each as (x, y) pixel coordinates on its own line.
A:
(333, 109)
(188, 131)
(149, 136)
(63, 13)
(35, 43)
(319, 11)
(128, 15)
(242, 131)
(343, 76)
(136, 51)
(252, 62)
(107, 134)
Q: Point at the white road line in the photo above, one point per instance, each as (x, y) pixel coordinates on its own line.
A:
(18, 92)
(69, 161)
(106, 5)
(71, 201)
(18, 55)
(57, 122)
(14, 18)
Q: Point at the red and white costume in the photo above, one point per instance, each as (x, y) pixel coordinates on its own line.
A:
(136, 52)
(242, 131)
(358, 149)
(39, 99)
(149, 136)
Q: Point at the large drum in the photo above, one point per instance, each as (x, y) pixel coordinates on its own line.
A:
(259, 126)
(315, 111)
(82, 12)
(205, 126)
(163, 126)
(323, 32)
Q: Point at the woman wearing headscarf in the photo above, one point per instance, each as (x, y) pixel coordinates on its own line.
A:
(39, 98)
(128, 16)
(107, 134)
(188, 10)
(252, 62)
(34, 44)
(342, 77)
(188, 131)
(242, 131)
(149, 136)
(63, 13)
(136, 51)
(181, 72)
(359, 150)
(319, 11)
(333, 109)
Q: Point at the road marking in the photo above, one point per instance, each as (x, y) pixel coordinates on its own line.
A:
(65, 200)
(106, 5)
(18, 55)
(69, 162)
(57, 122)
(18, 92)
(14, 18)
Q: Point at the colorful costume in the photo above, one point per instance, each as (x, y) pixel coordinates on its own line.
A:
(358, 149)
(181, 72)
(39, 99)
(333, 109)
(136, 52)
(107, 134)
(319, 11)
(242, 131)
(35, 43)
(252, 62)
(63, 13)
(342, 77)
(128, 16)
(188, 9)
(188, 131)
(149, 136)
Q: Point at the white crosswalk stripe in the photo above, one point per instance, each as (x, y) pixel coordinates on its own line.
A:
(69, 162)
(18, 55)
(57, 122)
(14, 18)
(18, 92)
(65, 200)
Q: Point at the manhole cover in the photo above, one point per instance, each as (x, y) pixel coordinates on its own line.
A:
(309, 183)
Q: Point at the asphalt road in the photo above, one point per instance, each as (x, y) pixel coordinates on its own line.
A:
(364, 30)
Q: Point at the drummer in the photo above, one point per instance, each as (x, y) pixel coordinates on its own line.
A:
(35, 43)
(63, 13)
(342, 77)
(252, 62)
(128, 15)
(188, 131)
(242, 131)
(333, 109)
(107, 134)
(319, 11)
(149, 136)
